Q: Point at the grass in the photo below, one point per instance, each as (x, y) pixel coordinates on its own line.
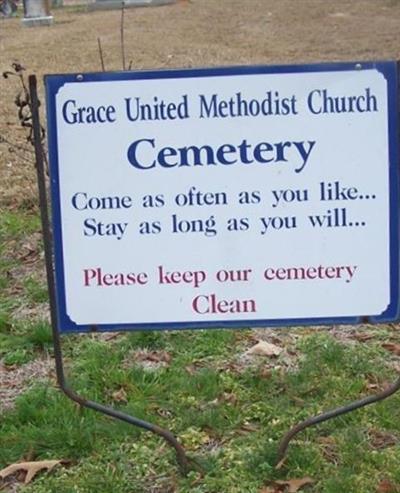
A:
(229, 415)
(230, 421)
(24, 342)
(18, 224)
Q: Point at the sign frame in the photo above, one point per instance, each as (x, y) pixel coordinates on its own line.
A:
(389, 71)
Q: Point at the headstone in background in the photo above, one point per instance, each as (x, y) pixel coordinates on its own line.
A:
(8, 7)
(117, 4)
(37, 13)
(57, 3)
(75, 3)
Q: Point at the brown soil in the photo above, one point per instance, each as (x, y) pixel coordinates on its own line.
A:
(15, 380)
(190, 33)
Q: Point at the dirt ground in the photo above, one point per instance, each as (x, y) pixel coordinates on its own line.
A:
(190, 33)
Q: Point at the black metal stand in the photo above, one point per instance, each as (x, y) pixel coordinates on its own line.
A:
(314, 420)
(183, 461)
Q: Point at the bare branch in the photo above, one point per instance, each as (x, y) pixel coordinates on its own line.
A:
(101, 55)
(23, 103)
(122, 35)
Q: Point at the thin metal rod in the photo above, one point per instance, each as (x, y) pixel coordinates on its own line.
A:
(183, 461)
(101, 54)
(123, 35)
(384, 394)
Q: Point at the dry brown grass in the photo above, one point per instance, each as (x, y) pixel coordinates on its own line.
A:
(15, 380)
(187, 34)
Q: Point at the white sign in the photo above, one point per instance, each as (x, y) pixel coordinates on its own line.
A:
(240, 196)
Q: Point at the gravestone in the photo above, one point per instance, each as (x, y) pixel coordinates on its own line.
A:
(117, 4)
(8, 8)
(37, 13)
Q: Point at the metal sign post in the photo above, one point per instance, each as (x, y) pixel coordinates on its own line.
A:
(334, 413)
(225, 197)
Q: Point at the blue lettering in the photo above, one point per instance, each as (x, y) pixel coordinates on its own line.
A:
(297, 154)
(87, 114)
(66, 114)
(223, 150)
(167, 152)
(132, 154)
(90, 227)
(75, 201)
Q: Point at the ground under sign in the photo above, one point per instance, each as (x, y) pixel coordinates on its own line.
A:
(227, 196)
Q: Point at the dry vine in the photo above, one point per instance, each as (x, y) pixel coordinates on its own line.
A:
(23, 102)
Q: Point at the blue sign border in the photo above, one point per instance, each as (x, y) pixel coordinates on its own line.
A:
(389, 70)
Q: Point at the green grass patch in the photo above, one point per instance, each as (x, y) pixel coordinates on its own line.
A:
(15, 225)
(21, 343)
(36, 292)
(230, 415)
(230, 420)
(15, 228)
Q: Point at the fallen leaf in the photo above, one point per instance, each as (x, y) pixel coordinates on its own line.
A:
(265, 373)
(263, 348)
(229, 397)
(329, 449)
(248, 428)
(164, 413)
(31, 468)
(298, 401)
(392, 347)
(375, 384)
(191, 369)
(380, 440)
(120, 395)
(230, 366)
(387, 486)
(159, 356)
(195, 367)
(112, 336)
(372, 386)
(148, 360)
(295, 485)
(362, 337)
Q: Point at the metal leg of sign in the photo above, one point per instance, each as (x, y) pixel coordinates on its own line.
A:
(333, 414)
(183, 461)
